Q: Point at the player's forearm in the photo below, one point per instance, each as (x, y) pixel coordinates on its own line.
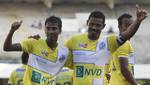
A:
(128, 76)
(8, 41)
(132, 29)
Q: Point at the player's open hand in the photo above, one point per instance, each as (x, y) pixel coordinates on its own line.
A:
(140, 13)
(16, 25)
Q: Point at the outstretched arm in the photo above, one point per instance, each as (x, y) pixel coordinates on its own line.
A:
(8, 46)
(141, 14)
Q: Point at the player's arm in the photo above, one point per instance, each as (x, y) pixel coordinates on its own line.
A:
(8, 46)
(141, 14)
(125, 71)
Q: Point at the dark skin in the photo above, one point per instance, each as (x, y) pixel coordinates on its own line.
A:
(96, 25)
(127, 24)
(125, 71)
(122, 59)
(52, 31)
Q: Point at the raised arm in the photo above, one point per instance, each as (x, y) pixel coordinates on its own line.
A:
(141, 14)
(8, 46)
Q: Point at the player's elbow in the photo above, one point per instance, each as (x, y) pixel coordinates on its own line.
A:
(6, 48)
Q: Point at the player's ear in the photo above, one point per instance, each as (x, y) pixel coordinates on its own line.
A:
(87, 22)
(60, 30)
(104, 25)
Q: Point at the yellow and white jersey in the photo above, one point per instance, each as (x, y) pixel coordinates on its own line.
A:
(89, 58)
(65, 77)
(125, 50)
(16, 77)
(44, 63)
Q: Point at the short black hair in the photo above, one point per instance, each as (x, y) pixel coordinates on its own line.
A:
(97, 14)
(54, 19)
(125, 15)
(24, 58)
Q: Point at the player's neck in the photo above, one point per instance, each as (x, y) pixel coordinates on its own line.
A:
(92, 38)
(52, 44)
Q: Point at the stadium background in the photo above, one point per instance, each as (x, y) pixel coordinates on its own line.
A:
(74, 14)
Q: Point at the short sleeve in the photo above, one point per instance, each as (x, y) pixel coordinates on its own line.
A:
(112, 43)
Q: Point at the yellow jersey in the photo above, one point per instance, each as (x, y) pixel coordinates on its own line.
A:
(44, 63)
(89, 58)
(16, 77)
(64, 77)
(125, 50)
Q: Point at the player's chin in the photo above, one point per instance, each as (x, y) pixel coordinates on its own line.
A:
(95, 37)
(51, 38)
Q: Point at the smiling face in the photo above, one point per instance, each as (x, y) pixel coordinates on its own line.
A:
(95, 26)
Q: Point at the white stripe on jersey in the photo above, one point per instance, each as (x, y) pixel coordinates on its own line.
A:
(100, 57)
(48, 66)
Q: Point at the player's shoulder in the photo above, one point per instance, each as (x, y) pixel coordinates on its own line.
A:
(78, 36)
(33, 40)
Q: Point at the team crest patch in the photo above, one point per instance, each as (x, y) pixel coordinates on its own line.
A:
(102, 45)
(83, 45)
(62, 58)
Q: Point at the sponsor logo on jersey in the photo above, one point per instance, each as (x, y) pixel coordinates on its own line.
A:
(39, 79)
(83, 45)
(81, 71)
(36, 77)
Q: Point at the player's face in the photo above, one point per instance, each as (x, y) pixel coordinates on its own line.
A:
(95, 26)
(52, 31)
(126, 22)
